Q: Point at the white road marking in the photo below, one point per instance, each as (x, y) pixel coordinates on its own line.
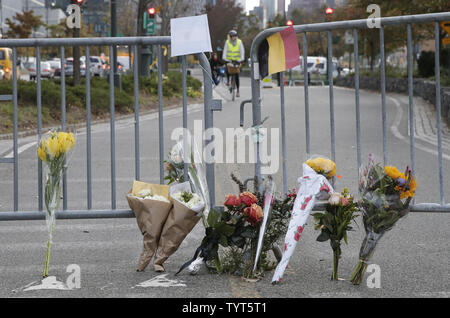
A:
(161, 281)
(49, 283)
(397, 134)
(21, 149)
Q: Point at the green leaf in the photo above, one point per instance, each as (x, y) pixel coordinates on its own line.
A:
(318, 215)
(223, 241)
(213, 217)
(224, 229)
(323, 237)
(248, 232)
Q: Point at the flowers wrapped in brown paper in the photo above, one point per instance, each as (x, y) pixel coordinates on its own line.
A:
(151, 205)
(181, 220)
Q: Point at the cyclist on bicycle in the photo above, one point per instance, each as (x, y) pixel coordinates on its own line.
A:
(215, 64)
(234, 53)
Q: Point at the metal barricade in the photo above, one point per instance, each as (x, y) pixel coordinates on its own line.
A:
(135, 42)
(354, 25)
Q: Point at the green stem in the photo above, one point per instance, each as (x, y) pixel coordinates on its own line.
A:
(358, 273)
(336, 256)
(47, 259)
(48, 252)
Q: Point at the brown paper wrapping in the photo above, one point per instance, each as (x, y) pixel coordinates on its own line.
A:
(150, 217)
(179, 224)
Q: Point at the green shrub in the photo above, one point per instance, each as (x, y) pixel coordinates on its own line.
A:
(172, 84)
(426, 64)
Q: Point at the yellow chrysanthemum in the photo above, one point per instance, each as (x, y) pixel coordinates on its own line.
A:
(392, 172)
(41, 153)
(66, 141)
(53, 146)
(323, 166)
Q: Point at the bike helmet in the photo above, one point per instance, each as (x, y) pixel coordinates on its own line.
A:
(232, 33)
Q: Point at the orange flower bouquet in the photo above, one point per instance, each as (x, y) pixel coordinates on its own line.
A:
(385, 197)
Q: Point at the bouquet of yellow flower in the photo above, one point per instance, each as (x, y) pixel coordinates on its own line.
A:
(385, 197)
(323, 166)
(53, 150)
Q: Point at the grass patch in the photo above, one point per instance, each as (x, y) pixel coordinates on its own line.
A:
(100, 99)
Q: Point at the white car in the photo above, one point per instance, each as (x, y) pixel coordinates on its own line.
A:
(46, 70)
(97, 68)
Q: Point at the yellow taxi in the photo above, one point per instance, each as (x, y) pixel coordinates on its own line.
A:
(6, 61)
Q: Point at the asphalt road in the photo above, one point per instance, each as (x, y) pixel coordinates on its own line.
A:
(413, 257)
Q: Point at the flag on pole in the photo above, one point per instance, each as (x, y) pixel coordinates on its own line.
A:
(279, 52)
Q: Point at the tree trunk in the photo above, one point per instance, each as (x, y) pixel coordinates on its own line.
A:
(372, 55)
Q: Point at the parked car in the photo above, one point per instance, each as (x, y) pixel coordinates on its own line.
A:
(56, 67)
(97, 68)
(68, 67)
(46, 70)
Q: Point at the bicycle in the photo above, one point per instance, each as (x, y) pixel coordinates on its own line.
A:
(233, 69)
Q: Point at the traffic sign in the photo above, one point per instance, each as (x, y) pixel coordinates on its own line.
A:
(149, 24)
(446, 27)
(349, 38)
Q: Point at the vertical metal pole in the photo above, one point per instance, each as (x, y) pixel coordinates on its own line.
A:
(438, 110)
(411, 98)
(383, 94)
(330, 80)
(113, 134)
(88, 145)
(185, 136)
(161, 119)
(63, 118)
(256, 109)
(39, 115)
(136, 116)
(15, 124)
(306, 84)
(283, 133)
(357, 102)
(114, 34)
(209, 122)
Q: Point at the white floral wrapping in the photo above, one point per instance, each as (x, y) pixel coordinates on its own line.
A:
(198, 207)
(310, 185)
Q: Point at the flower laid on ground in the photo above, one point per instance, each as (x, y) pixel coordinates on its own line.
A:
(334, 223)
(236, 230)
(254, 214)
(147, 194)
(187, 198)
(312, 185)
(54, 150)
(196, 170)
(385, 197)
(323, 166)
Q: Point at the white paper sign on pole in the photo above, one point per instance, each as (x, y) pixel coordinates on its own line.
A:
(190, 35)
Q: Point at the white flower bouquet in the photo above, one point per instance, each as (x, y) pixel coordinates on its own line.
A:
(151, 205)
(187, 210)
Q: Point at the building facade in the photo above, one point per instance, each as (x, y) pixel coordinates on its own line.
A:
(50, 13)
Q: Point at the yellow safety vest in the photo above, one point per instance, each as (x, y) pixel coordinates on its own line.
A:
(234, 51)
